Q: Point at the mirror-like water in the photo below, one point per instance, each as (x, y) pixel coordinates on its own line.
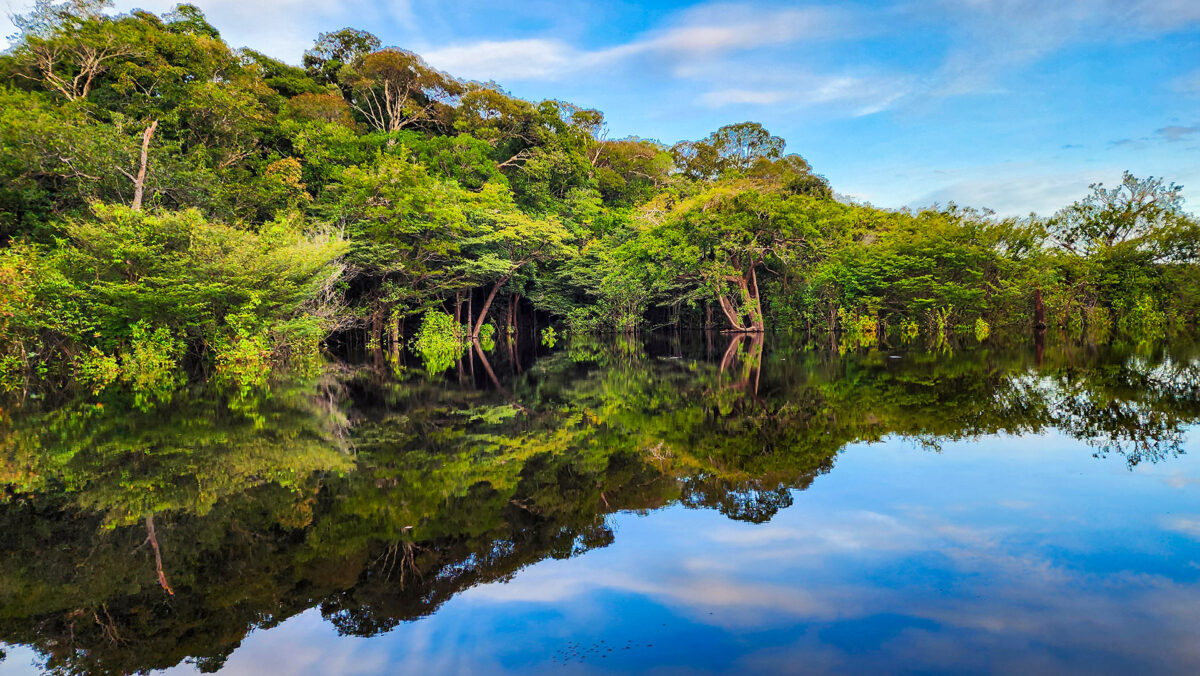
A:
(665, 506)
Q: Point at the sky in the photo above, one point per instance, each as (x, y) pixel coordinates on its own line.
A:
(1013, 105)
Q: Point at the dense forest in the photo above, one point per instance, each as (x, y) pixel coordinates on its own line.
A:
(172, 206)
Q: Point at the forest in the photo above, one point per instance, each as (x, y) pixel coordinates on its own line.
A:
(173, 208)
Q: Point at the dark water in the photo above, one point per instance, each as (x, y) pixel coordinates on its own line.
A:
(637, 506)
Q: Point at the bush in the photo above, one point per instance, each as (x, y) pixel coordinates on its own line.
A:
(441, 341)
(150, 365)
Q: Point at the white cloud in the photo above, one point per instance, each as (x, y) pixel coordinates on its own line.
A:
(706, 32)
(857, 95)
(717, 29)
(1016, 189)
(508, 60)
(1187, 525)
(1013, 191)
(279, 28)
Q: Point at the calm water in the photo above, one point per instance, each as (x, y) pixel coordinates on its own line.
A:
(661, 506)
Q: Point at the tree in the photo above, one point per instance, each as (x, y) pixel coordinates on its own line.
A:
(734, 148)
(186, 18)
(406, 229)
(489, 114)
(333, 51)
(741, 145)
(1140, 212)
(629, 171)
(727, 233)
(68, 46)
(327, 108)
(394, 88)
(503, 240)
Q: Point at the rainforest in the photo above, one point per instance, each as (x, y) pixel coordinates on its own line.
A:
(353, 366)
(172, 208)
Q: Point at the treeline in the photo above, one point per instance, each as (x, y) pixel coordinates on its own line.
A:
(168, 203)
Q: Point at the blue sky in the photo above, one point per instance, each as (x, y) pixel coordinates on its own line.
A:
(1015, 105)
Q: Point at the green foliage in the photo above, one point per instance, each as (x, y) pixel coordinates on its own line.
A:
(982, 330)
(149, 364)
(487, 337)
(1141, 318)
(859, 329)
(149, 172)
(243, 351)
(549, 337)
(440, 342)
(96, 370)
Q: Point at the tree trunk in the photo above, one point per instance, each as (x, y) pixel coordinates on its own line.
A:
(458, 307)
(1039, 311)
(487, 367)
(510, 319)
(376, 336)
(395, 335)
(139, 183)
(756, 311)
(735, 322)
(487, 305)
(152, 538)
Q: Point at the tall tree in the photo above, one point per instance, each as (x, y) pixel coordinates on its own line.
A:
(394, 88)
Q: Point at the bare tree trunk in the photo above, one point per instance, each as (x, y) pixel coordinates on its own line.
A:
(730, 357)
(730, 314)
(757, 316)
(458, 307)
(487, 304)
(1039, 311)
(516, 313)
(487, 367)
(376, 336)
(139, 183)
(395, 335)
(152, 538)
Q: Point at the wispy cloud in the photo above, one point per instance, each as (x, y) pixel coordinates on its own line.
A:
(702, 47)
(1177, 133)
(859, 95)
(1186, 525)
(1013, 190)
(533, 59)
(1188, 84)
(280, 28)
(992, 37)
(705, 32)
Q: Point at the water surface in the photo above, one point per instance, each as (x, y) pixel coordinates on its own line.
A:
(660, 505)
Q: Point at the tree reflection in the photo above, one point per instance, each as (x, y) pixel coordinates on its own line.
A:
(137, 540)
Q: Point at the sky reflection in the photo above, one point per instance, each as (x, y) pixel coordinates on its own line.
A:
(999, 555)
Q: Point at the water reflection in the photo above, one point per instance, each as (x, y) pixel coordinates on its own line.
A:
(363, 501)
